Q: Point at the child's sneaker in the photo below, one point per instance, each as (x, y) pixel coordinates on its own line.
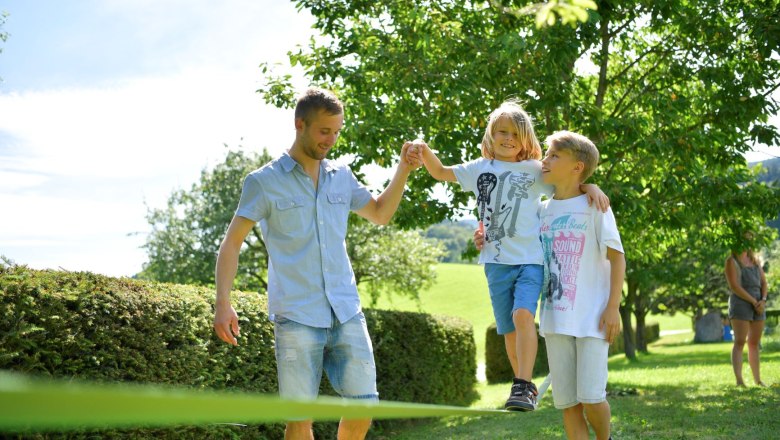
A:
(522, 397)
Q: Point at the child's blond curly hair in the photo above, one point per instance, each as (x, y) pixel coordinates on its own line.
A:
(529, 144)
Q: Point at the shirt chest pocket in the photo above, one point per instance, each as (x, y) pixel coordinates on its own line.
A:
(289, 214)
(338, 212)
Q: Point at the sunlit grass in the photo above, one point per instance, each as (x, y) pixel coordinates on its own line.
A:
(679, 390)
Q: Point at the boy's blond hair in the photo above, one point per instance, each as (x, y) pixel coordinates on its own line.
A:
(580, 147)
(529, 144)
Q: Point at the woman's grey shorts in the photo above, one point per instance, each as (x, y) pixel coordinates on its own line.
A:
(743, 310)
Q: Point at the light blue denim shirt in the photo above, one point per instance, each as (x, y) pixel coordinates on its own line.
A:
(304, 231)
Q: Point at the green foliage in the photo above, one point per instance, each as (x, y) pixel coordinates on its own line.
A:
(772, 272)
(770, 173)
(387, 260)
(671, 92)
(547, 13)
(457, 239)
(86, 326)
(3, 34)
(185, 238)
(676, 101)
(423, 358)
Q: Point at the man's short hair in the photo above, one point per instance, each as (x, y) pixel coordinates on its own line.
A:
(580, 147)
(315, 99)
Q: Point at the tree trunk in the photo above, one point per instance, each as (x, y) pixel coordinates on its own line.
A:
(625, 316)
(640, 313)
(641, 339)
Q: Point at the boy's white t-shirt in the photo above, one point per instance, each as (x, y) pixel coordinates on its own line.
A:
(508, 200)
(575, 238)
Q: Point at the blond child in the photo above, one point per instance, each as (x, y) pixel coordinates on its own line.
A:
(579, 314)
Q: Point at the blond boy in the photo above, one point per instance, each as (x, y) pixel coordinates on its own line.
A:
(579, 312)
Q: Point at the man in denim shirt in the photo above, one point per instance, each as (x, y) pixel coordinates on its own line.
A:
(302, 202)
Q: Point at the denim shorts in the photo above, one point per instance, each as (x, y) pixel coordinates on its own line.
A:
(578, 369)
(513, 287)
(343, 350)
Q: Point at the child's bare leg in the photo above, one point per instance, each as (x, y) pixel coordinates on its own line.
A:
(574, 423)
(510, 343)
(526, 343)
(599, 415)
(353, 429)
(299, 431)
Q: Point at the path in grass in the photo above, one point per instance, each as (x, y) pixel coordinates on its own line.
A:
(678, 391)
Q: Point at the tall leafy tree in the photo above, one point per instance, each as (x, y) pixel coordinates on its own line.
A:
(186, 234)
(672, 92)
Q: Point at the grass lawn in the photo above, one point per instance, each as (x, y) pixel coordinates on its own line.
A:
(678, 391)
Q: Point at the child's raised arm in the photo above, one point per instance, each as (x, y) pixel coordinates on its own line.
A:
(419, 151)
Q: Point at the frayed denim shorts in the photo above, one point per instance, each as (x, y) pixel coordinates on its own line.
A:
(344, 351)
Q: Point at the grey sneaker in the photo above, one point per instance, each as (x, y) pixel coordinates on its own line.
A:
(522, 397)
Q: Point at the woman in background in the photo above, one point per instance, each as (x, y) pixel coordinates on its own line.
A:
(747, 309)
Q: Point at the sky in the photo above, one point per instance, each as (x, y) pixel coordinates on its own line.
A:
(108, 106)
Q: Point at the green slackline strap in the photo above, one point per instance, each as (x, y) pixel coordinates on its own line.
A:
(34, 404)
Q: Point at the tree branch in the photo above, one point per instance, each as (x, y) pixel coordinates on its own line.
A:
(602, 89)
(638, 59)
(617, 109)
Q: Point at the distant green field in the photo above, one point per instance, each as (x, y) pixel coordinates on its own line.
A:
(461, 290)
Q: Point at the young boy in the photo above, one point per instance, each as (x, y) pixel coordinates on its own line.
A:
(579, 312)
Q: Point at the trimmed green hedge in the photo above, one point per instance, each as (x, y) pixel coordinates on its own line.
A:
(497, 366)
(87, 326)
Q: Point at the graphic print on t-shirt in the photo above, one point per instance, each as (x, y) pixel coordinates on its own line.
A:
(508, 187)
(563, 242)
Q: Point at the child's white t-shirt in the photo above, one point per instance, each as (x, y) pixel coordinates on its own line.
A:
(575, 238)
(508, 200)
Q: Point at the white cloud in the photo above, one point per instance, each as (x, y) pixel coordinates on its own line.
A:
(142, 128)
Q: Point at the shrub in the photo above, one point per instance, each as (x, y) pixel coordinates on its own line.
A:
(87, 326)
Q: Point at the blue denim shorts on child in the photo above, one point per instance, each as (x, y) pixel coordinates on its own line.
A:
(512, 287)
(344, 351)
